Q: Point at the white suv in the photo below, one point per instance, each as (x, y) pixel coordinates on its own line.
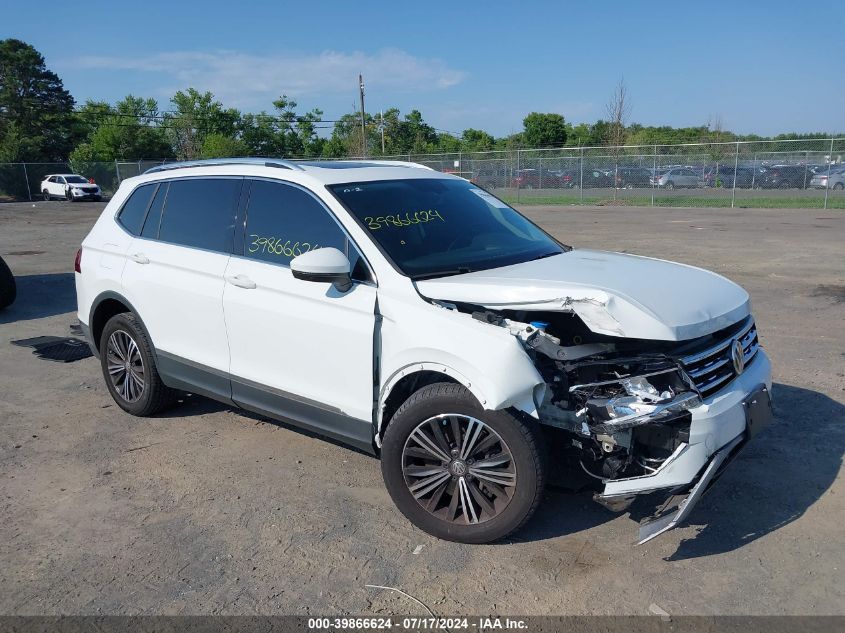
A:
(413, 315)
(70, 187)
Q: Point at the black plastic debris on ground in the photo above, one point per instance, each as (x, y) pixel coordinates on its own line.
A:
(60, 349)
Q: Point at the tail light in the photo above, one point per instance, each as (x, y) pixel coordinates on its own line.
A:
(77, 262)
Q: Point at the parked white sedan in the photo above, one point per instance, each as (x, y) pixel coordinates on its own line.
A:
(71, 187)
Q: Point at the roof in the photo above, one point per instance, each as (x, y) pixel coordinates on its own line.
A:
(323, 171)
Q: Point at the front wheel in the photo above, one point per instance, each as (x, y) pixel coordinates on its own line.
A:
(129, 367)
(460, 472)
(838, 186)
(670, 185)
(46, 195)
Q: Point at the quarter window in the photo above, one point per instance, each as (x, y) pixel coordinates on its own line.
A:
(284, 222)
(135, 208)
(200, 213)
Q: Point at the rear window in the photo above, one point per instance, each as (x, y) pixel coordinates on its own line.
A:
(131, 216)
(200, 213)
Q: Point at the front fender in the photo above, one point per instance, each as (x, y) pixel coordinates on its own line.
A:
(486, 359)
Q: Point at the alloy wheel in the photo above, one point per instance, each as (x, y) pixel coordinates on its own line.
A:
(459, 469)
(125, 366)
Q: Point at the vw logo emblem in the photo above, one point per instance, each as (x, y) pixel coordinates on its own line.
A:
(738, 357)
(459, 468)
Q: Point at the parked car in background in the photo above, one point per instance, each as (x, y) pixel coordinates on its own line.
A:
(785, 177)
(678, 177)
(541, 179)
(836, 180)
(590, 178)
(630, 177)
(71, 187)
(8, 288)
(491, 177)
(745, 177)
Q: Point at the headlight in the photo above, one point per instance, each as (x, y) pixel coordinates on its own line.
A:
(625, 402)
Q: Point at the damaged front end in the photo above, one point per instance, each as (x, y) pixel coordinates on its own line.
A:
(624, 406)
(626, 412)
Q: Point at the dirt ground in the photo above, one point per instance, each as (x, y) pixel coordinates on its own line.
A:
(206, 510)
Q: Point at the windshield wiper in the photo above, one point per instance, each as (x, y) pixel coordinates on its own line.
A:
(544, 256)
(461, 270)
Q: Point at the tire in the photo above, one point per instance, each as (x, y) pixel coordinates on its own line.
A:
(522, 474)
(69, 195)
(670, 185)
(46, 195)
(838, 186)
(153, 396)
(8, 287)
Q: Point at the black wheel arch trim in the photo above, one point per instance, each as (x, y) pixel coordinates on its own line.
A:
(98, 301)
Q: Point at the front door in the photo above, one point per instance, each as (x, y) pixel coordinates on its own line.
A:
(300, 350)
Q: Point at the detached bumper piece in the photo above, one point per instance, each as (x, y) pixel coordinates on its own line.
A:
(758, 413)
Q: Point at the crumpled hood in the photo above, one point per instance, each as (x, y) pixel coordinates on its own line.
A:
(613, 293)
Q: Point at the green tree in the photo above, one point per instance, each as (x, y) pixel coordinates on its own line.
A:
(216, 145)
(36, 121)
(544, 130)
(196, 116)
(477, 140)
(128, 131)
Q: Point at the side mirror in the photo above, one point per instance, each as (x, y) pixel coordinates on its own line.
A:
(326, 265)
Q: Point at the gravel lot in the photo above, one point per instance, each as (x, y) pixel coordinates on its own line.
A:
(208, 511)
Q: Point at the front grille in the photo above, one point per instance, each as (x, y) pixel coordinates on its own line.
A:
(713, 368)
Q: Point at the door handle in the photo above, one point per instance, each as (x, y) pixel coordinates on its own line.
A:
(241, 281)
(139, 258)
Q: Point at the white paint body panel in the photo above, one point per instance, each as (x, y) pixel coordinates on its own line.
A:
(302, 337)
(644, 298)
(179, 296)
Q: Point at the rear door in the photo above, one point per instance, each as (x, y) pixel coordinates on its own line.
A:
(300, 350)
(174, 279)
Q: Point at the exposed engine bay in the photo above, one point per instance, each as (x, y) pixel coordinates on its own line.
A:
(623, 403)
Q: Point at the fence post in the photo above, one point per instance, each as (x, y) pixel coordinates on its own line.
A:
(117, 172)
(736, 164)
(581, 183)
(829, 162)
(26, 179)
(754, 173)
(654, 176)
(517, 175)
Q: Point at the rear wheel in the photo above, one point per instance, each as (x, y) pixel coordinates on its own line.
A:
(129, 368)
(458, 471)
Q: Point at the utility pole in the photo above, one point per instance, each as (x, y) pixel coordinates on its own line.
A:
(363, 126)
(382, 132)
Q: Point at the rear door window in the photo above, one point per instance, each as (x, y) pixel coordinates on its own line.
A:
(200, 213)
(134, 210)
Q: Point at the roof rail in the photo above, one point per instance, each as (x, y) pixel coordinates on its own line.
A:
(213, 162)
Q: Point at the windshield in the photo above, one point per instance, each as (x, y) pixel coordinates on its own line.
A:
(76, 180)
(437, 227)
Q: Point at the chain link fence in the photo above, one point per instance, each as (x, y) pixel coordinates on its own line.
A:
(789, 173)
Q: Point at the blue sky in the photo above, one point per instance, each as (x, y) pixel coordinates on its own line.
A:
(761, 67)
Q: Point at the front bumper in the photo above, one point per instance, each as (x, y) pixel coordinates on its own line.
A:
(81, 195)
(719, 428)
